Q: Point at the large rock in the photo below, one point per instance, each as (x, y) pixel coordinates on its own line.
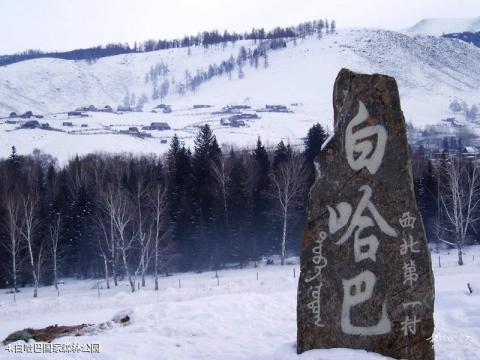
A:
(366, 280)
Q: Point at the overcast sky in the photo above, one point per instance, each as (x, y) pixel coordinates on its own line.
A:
(69, 24)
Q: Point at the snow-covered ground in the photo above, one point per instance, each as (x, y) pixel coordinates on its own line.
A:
(241, 318)
(431, 72)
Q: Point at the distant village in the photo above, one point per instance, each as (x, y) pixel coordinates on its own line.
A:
(233, 116)
(449, 135)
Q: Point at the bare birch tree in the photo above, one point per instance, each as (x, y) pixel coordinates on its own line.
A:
(289, 183)
(54, 231)
(123, 213)
(110, 246)
(143, 237)
(460, 196)
(27, 229)
(103, 245)
(12, 244)
(162, 247)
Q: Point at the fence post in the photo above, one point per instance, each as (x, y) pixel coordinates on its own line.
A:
(179, 284)
(257, 275)
(294, 273)
(439, 263)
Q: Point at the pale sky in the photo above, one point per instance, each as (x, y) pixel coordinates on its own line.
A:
(69, 24)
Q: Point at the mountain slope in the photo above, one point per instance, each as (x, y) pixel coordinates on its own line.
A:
(438, 27)
(469, 37)
(430, 73)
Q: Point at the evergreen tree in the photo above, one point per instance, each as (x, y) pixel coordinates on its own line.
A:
(238, 205)
(261, 202)
(206, 152)
(179, 199)
(281, 154)
(313, 142)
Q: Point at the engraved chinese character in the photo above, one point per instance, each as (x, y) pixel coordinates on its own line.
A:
(407, 220)
(358, 223)
(408, 244)
(356, 291)
(361, 142)
(410, 275)
(411, 304)
(409, 325)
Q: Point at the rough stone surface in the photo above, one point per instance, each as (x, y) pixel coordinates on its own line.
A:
(366, 280)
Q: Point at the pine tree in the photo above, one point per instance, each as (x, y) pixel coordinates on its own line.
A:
(179, 199)
(333, 26)
(313, 142)
(261, 202)
(239, 209)
(206, 151)
(281, 154)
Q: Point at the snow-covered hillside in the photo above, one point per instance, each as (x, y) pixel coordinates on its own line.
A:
(430, 72)
(438, 27)
(238, 317)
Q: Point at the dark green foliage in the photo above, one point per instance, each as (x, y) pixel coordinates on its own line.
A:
(313, 142)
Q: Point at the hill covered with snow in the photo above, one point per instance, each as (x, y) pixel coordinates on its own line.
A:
(436, 27)
(430, 72)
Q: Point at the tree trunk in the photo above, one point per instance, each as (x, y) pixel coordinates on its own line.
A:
(156, 263)
(34, 273)
(14, 272)
(105, 263)
(114, 253)
(460, 257)
(114, 272)
(55, 278)
(127, 272)
(284, 235)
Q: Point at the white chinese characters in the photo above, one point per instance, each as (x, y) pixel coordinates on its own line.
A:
(359, 142)
(358, 223)
(410, 276)
(362, 152)
(356, 291)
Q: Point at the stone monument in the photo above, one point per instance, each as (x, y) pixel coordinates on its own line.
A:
(366, 277)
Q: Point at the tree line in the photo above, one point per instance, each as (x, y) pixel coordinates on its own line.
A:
(448, 196)
(123, 216)
(206, 39)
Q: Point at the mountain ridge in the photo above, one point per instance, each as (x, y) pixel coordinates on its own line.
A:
(440, 26)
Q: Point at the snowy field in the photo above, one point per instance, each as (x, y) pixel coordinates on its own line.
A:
(103, 131)
(238, 317)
